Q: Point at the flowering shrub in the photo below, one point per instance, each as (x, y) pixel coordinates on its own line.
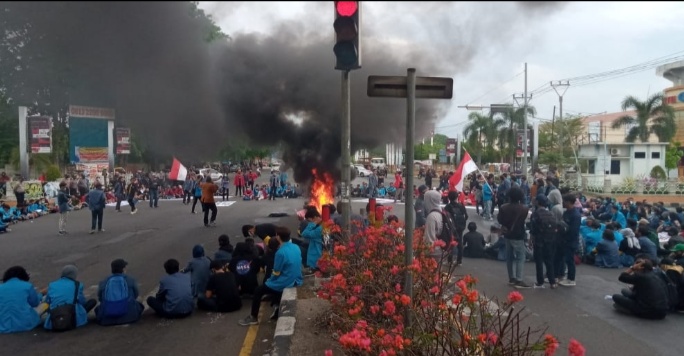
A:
(449, 316)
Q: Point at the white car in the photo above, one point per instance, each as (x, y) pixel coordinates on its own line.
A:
(361, 170)
(214, 174)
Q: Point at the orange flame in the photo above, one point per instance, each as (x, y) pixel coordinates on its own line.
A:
(322, 190)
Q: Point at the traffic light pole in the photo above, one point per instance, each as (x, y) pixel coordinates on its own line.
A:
(346, 152)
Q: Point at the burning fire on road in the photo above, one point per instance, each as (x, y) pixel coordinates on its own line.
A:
(322, 190)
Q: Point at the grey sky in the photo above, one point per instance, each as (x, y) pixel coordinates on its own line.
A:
(483, 46)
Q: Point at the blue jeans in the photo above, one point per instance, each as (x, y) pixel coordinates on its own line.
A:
(487, 209)
(154, 197)
(96, 219)
(565, 256)
(515, 259)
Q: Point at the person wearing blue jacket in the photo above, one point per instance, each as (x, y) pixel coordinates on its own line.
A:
(62, 292)
(487, 198)
(607, 254)
(96, 203)
(19, 302)
(618, 216)
(592, 233)
(314, 234)
(287, 273)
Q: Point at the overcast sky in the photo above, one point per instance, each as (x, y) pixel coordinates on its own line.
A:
(486, 45)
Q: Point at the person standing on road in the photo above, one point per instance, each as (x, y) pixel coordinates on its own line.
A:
(568, 243)
(239, 181)
(208, 203)
(274, 183)
(372, 183)
(512, 218)
(543, 231)
(119, 193)
(132, 191)
(187, 189)
(96, 202)
(63, 200)
(419, 206)
(460, 217)
(154, 191)
(399, 184)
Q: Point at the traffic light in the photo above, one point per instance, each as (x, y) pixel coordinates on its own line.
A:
(347, 48)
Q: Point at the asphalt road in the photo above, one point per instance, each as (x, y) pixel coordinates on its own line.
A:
(150, 237)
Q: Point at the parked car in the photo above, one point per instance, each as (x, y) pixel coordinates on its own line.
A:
(214, 174)
(361, 171)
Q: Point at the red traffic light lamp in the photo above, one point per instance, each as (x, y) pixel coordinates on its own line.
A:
(347, 49)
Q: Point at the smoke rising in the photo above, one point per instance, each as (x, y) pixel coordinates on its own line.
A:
(188, 98)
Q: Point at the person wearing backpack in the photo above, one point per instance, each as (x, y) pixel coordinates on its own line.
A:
(62, 294)
(459, 216)
(434, 224)
(543, 231)
(118, 297)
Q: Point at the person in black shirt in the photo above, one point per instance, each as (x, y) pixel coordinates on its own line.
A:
(474, 242)
(222, 293)
(648, 296)
(245, 265)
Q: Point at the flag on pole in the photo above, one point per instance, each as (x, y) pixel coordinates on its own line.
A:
(178, 171)
(466, 167)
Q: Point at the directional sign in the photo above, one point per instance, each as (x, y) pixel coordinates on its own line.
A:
(395, 87)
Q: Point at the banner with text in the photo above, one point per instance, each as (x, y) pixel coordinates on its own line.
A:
(123, 141)
(89, 128)
(39, 130)
(91, 154)
(92, 170)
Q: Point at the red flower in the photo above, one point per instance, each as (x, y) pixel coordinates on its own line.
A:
(514, 297)
(390, 308)
(405, 299)
(397, 287)
(394, 270)
(374, 309)
(439, 243)
(551, 345)
(328, 353)
(575, 348)
(492, 337)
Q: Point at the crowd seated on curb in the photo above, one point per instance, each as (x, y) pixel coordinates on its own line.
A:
(216, 285)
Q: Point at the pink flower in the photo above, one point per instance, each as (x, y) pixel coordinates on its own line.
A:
(575, 348)
(514, 297)
(551, 345)
(492, 337)
(439, 243)
(397, 287)
(394, 269)
(374, 309)
(328, 353)
(390, 308)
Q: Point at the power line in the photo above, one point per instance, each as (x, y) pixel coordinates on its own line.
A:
(495, 88)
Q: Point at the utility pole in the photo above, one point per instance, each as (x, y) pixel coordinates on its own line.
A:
(346, 153)
(524, 141)
(565, 85)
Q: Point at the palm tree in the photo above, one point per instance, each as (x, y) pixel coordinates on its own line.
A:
(513, 118)
(653, 111)
(481, 126)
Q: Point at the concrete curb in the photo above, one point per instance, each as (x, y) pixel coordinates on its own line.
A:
(285, 327)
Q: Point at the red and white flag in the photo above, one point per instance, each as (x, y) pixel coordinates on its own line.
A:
(466, 167)
(178, 171)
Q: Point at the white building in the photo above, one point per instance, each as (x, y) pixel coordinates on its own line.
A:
(615, 161)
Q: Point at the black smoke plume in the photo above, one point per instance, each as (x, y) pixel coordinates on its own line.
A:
(188, 98)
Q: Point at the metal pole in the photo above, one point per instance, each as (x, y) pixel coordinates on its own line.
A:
(23, 144)
(345, 203)
(408, 214)
(524, 143)
(560, 128)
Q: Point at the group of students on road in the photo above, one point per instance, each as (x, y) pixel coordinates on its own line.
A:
(212, 285)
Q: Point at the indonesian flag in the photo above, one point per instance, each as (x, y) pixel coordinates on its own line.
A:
(466, 167)
(178, 171)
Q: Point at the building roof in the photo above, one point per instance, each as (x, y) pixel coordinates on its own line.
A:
(608, 118)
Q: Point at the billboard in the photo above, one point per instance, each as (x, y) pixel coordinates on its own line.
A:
(39, 130)
(123, 141)
(451, 146)
(89, 133)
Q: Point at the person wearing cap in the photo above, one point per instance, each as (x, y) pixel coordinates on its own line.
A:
(678, 254)
(419, 206)
(96, 202)
(135, 308)
(62, 291)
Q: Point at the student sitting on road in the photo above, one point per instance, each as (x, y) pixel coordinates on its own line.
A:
(222, 293)
(225, 251)
(118, 297)
(648, 296)
(63, 291)
(287, 272)
(174, 298)
(245, 265)
(198, 268)
(607, 255)
(473, 242)
(20, 305)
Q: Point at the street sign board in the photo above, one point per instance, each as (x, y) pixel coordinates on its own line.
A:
(395, 87)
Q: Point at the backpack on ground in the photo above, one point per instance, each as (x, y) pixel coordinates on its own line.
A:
(448, 233)
(547, 226)
(115, 303)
